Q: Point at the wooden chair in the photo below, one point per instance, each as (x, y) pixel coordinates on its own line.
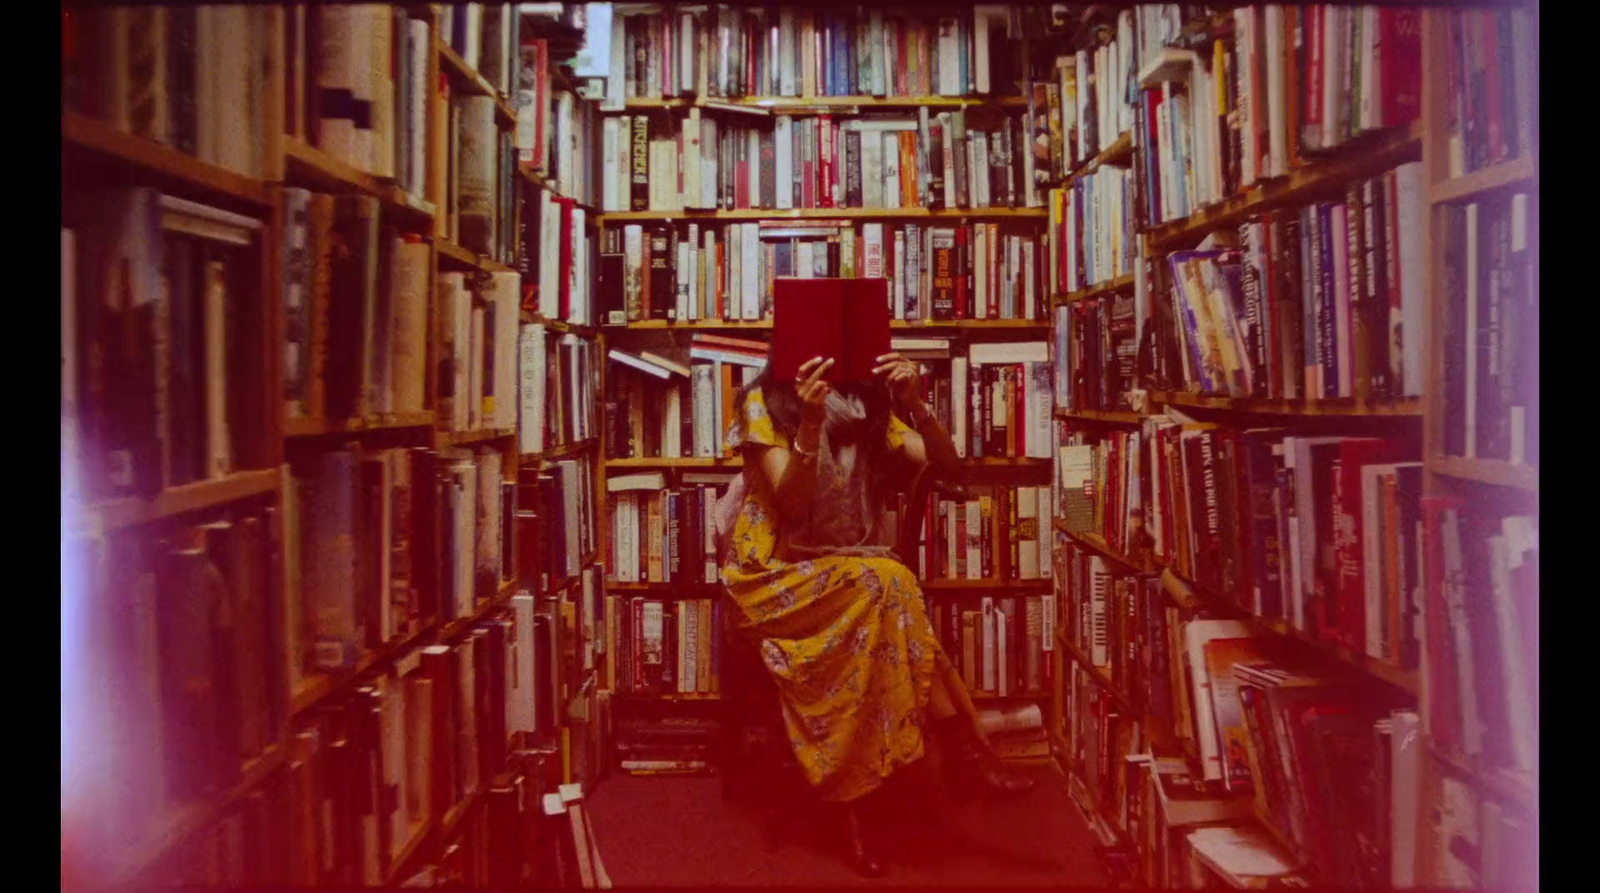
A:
(756, 754)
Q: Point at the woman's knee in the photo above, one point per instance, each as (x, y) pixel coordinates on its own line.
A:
(893, 575)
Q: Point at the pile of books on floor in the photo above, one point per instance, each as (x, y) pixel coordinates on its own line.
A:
(668, 745)
(1015, 733)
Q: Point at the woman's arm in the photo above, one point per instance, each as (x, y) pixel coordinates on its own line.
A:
(788, 474)
(931, 442)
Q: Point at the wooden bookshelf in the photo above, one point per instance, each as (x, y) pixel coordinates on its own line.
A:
(801, 104)
(714, 325)
(1104, 416)
(165, 165)
(1100, 676)
(117, 514)
(988, 586)
(1119, 153)
(732, 463)
(560, 327)
(473, 438)
(306, 427)
(1363, 157)
(464, 77)
(1403, 407)
(1503, 784)
(1109, 287)
(309, 166)
(747, 214)
(453, 256)
(559, 453)
(1486, 471)
(1505, 175)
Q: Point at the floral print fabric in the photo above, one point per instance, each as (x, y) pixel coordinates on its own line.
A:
(846, 639)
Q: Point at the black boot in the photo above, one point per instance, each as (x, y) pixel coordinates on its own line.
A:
(861, 848)
(970, 768)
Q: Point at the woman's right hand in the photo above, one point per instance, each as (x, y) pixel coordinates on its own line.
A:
(813, 392)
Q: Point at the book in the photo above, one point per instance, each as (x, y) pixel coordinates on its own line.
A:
(846, 320)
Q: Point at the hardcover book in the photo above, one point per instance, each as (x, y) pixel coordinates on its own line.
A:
(845, 319)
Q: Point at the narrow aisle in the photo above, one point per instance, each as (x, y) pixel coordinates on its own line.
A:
(678, 832)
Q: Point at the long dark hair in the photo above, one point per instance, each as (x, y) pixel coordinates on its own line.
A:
(782, 400)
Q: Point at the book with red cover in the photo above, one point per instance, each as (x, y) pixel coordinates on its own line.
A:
(846, 319)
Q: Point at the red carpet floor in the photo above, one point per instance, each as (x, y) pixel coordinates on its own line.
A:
(679, 832)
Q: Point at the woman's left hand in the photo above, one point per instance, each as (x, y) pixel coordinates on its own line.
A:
(903, 378)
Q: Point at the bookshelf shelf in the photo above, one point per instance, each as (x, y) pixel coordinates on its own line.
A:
(805, 103)
(467, 438)
(1487, 471)
(465, 77)
(558, 453)
(1119, 284)
(731, 463)
(453, 255)
(1098, 544)
(1361, 158)
(189, 818)
(821, 214)
(1403, 407)
(670, 696)
(116, 514)
(711, 325)
(308, 165)
(561, 327)
(404, 858)
(1098, 674)
(1507, 174)
(546, 183)
(948, 585)
(1006, 462)
(682, 590)
(1107, 416)
(324, 427)
(1502, 783)
(82, 133)
(1119, 153)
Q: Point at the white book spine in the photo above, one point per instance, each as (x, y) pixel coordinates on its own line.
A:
(783, 137)
(749, 288)
(531, 352)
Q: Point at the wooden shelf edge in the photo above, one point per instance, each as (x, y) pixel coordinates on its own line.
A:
(116, 514)
(1487, 471)
(1351, 407)
(1113, 286)
(1099, 545)
(1370, 155)
(1505, 784)
(819, 214)
(470, 438)
(1101, 677)
(708, 325)
(1110, 416)
(556, 454)
(312, 427)
(453, 252)
(1505, 175)
(790, 103)
(451, 62)
(948, 585)
(83, 133)
(731, 464)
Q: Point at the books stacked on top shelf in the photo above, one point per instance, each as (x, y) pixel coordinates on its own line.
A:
(1016, 733)
(994, 534)
(1491, 331)
(1481, 598)
(384, 541)
(355, 308)
(195, 78)
(970, 158)
(157, 346)
(556, 524)
(667, 745)
(1320, 532)
(662, 534)
(689, 272)
(1320, 302)
(1287, 85)
(657, 407)
(1001, 645)
(1492, 75)
(1100, 486)
(481, 189)
(477, 320)
(1092, 232)
(558, 388)
(1080, 105)
(794, 51)
(183, 672)
(1096, 350)
(668, 647)
(558, 261)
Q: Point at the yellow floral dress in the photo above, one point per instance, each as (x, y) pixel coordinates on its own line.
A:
(847, 639)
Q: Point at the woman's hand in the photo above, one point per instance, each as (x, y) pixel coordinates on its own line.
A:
(903, 378)
(813, 392)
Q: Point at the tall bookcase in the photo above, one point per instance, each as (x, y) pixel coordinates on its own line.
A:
(1131, 742)
(719, 117)
(387, 701)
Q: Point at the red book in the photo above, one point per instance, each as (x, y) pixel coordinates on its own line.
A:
(962, 268)
(1400, 49)
(846, 319)
(1350, 594)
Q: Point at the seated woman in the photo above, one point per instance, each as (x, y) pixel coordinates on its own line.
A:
(840, 623)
